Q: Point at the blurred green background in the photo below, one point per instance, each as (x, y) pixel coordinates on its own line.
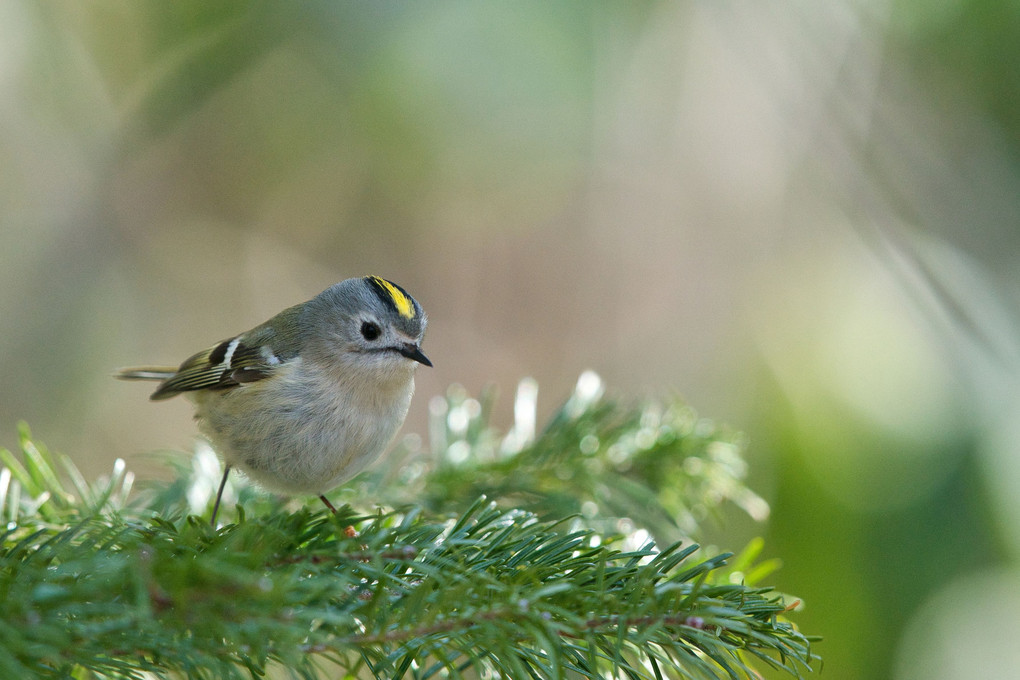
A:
(801, 216)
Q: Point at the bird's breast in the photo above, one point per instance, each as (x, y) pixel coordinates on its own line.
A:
(304, 431)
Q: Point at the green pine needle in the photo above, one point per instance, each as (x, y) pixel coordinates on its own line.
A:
(95, 582)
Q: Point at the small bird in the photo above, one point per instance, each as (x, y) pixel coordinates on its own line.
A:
(308, 399)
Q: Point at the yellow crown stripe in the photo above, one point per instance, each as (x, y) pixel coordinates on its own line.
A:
(404, 305)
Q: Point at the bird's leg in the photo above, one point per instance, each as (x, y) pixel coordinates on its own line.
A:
(219, 494)
(328, 504)
(349, 530)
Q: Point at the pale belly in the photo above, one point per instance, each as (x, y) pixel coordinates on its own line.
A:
(311, 439)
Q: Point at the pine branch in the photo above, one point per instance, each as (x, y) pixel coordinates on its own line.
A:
(659, 467)
(92, 582)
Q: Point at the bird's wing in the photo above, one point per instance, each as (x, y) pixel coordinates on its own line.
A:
(242, 359)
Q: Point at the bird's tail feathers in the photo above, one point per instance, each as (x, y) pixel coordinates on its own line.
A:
(145, 373)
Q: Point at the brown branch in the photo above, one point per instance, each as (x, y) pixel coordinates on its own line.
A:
(612, 622)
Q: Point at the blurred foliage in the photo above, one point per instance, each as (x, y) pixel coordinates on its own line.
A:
(658, 465)
(965, 48)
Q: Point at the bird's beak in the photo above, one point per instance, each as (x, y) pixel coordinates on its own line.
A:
(414, 352)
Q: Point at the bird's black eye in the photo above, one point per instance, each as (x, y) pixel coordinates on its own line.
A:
(370, 330)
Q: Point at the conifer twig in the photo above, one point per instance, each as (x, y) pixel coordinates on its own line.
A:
(97, 582)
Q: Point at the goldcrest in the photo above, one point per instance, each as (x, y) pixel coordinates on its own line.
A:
(308, 399)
